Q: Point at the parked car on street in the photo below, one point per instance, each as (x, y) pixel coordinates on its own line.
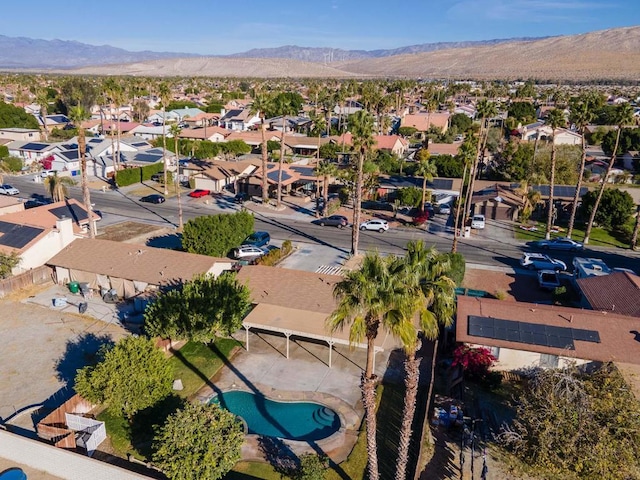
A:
(375, 224)
(247, 251)
(257, 239)
(548, 279)
(199, 193)
(478, 222)
(241, 197)
(444, 209)
(7, 189)
(339, 221)
(540, 261)
(153, 198)
(558, 243)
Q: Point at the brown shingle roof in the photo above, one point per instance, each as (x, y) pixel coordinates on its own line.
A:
(617, 338)
(618, 292)
(293, 289)
(156, 266)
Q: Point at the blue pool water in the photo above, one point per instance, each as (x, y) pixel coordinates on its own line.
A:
(290, 420)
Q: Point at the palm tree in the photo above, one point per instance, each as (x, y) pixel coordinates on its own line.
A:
(424, 272)
(427, 170)
(485, 109)
(623, 116)
(581, 115)
(261, 104)
(636, 229)
(57, 186)
(555, 120)
(282, 106)
(77, 115)
(370, 298)
(174, 130)
(466, 154)
(165, 97)
(326, 170)
(361, 127)
(42, 99)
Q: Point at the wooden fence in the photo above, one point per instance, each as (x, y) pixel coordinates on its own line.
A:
(35, 276)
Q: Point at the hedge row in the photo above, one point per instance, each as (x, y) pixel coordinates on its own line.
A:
(129, 176)
(275, 255)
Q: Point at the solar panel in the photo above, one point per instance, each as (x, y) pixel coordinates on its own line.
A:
(35, 146)
(273, 176)
(529, 333)
(17, 236)
(441, 183)
(71, 210)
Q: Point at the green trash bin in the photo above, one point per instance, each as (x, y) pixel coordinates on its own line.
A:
(74, 287)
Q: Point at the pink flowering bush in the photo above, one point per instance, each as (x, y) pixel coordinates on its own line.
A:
(475, 362)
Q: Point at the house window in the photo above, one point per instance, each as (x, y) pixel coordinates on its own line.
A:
(548, 361)
(495, 351)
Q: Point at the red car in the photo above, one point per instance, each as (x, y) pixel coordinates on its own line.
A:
(199, 193)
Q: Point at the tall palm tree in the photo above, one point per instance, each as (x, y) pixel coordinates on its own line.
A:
(262, 104)
(636, 229)
(466, 155)
(174, 130)
(361, 127)
(486, 110)
(326, 170)
(555, 120)
(42, 99)
(424, 272)
(282, 106)
(165, 97)
(369, 299)
(427, 170)
(57, 186)
(77, 115)
(624, 117)
(581, 116)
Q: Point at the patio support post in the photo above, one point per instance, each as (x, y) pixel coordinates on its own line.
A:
(246, 337)
(287, 334)
(330, 351)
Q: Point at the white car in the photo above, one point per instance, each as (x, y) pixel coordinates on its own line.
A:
(477, 222)
(375, 224)
(7, 189)
(540, 261)
(248, 251)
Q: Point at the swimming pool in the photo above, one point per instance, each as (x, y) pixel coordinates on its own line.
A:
(290, 420)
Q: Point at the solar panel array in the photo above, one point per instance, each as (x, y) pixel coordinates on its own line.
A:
(17, 236)
(441, 184)
(273, 176)
(71, 210)
(529, 333)
(567, 191)
(36, 147)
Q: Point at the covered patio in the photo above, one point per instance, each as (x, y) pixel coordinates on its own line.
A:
(307, 325)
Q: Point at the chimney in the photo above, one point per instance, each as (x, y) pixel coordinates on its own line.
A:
(64, 227)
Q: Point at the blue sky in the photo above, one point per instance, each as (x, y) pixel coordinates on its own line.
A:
(218, 27)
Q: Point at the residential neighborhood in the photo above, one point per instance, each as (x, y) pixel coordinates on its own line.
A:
(321, 246)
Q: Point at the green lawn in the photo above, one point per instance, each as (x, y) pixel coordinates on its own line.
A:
(599, 236)
(195, 363)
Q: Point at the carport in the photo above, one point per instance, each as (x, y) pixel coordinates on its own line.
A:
(304, 324)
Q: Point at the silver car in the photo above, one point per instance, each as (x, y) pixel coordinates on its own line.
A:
(559, 243)
(540, 261)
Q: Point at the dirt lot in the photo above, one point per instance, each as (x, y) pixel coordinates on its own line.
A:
(132, 232)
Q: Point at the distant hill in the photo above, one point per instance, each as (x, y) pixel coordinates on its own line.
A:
(607, 54)
(22, 52)
(329, 55)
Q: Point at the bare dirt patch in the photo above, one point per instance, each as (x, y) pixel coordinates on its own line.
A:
(132, 232)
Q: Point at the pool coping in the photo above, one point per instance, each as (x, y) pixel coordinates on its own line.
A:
(336, 446)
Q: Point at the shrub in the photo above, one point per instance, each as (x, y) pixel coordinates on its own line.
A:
(475, 362)
(457, 267)
(275, 255)
(129, 176)
(332, 206)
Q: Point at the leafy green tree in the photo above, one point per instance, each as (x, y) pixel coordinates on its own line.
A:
(11, 116)
(522, 111)
(198, 442)
(78, 90)
(407, 131)
(11, 164)
(571, 423)
(130, 376)
(330, 151)
(179, 105)
(235, 148)
(312, 467)
(200, 310)
(4, 151)
(460, 122)
(8, 261)
(216, 235)
(448, 166)
(410, 196)
(616, 207)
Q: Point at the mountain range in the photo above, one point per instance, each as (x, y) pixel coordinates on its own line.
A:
(612, 54)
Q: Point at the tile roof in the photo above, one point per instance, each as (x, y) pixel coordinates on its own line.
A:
(617, 338)
(46, 216)
(617, 292)
(156, 266)
(444, 148)
(295, 289)
(422, 121)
